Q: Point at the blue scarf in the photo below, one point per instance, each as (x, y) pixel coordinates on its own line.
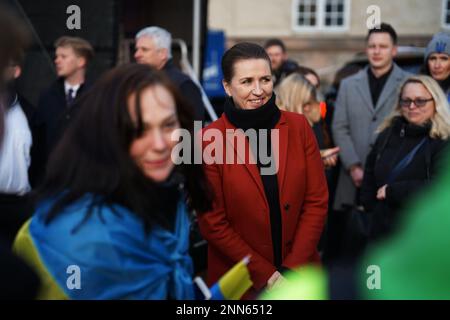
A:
(116, 258)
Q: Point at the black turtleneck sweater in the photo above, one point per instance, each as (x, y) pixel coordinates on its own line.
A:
(376, 85)
(264, 117)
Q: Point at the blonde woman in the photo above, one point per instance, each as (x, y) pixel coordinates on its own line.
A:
(297, 94)
(406, 154)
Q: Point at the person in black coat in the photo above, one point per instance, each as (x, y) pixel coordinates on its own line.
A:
(437, 61)
(59, 103)
(19, 159)
(153, 47)
(405, 157)
(18, 280)
(281, 65)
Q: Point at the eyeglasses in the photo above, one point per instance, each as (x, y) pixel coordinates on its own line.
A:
(419, 103)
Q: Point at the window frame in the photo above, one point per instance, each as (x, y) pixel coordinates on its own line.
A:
(320, 18)
(444, 23)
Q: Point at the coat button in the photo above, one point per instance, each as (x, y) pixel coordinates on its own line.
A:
(287, 206)
(374, 119)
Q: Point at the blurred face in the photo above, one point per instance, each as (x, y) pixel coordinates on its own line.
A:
(439, 66)
(251, 85)
(152, 151)
(415, 114)
(311, 111)
(67, 62)
(148, 53)
(277, 56)
(380, 50)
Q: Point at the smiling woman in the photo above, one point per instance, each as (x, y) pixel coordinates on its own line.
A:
(406, 155)
(152, 150)
(113, 204)
(275, 217)
(251, 86)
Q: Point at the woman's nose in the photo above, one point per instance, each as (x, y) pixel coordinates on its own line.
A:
(257, 89)
(159, 141)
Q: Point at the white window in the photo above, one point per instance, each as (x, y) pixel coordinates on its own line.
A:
(446, 14)
(320, 15)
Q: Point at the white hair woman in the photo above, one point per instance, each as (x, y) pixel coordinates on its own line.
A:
(405, 157)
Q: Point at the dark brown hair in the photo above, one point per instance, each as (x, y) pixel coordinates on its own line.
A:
(241, 51)
(93, 156)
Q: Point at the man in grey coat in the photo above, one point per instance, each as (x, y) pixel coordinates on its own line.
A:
(363, 102)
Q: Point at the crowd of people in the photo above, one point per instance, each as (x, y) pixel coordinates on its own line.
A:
(88, 176)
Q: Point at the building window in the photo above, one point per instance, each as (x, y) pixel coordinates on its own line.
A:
(446, 14)
(307, 13)
(320, 15)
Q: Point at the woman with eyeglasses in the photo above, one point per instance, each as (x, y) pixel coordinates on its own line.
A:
(405, 157)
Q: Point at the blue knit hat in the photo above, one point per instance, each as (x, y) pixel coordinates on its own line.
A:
(439, 44)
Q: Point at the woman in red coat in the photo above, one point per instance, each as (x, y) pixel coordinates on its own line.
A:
(271, 206)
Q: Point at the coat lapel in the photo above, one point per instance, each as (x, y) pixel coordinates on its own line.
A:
(362, 85)
(280, 150)
(245, 157)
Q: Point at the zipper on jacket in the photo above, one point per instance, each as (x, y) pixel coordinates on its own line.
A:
(402, 132)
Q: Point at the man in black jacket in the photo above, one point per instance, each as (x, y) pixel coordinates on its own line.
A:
(282, 66)
(153, 47)
(58, 104)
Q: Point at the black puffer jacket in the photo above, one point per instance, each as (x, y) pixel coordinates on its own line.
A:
(392, 145)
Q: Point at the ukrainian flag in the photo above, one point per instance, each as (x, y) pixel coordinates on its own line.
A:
(115, 257)
(233, 284)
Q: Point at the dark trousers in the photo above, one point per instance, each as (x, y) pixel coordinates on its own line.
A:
(14, 212)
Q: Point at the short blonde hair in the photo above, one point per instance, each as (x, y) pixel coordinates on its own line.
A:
(294, 92)
(81, 47)
(440, 122)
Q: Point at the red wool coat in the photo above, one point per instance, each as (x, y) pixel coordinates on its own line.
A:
(239, 223)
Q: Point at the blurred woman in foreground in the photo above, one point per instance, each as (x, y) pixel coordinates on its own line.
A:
(112, 209)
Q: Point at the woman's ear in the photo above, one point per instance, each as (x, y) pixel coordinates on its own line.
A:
(226, 86)
(306, 107)
(17, 71)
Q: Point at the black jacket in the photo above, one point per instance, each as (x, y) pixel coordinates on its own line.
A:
(391, 146)
(188, 89)
(54, 116)
(286, 69)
